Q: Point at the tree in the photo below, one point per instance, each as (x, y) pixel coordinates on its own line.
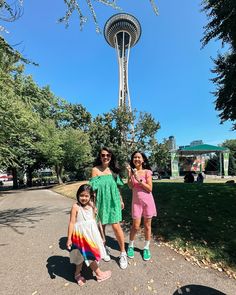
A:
(76, 116)
(65, 149)
(18, 122)
(77, 157)
(222, 26)
(11, 12)
(160, 157)
(123, 132)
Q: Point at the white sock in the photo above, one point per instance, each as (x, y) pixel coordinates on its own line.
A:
(131, 244)
(146, 245)
(123, 254)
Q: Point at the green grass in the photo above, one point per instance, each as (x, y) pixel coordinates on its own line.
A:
(200, 218)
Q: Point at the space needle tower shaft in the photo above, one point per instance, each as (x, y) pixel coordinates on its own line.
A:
(122, 31)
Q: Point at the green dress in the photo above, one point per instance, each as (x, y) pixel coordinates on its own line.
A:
(107, 197)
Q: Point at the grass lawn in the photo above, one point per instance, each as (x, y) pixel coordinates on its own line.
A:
(197, 219)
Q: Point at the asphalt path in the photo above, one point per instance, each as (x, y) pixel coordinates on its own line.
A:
(34, 259)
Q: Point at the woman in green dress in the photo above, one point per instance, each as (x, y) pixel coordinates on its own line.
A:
(105, 181)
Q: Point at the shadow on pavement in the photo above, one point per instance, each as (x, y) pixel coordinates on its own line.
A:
(112, 243)
(197, 290)
(17, 219)
(60, 265)
(62, 243)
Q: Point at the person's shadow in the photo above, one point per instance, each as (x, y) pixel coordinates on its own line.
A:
(197, 290)
(61, 266)
(113, 244)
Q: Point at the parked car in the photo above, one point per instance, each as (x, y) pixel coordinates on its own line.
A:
(155, 175)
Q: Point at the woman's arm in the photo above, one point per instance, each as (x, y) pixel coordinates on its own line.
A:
(148, 185)
(72, 221)
(129, 180)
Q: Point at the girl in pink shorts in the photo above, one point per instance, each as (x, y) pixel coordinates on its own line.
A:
(143, 205)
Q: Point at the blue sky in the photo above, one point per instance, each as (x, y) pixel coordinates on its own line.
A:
(169, 73)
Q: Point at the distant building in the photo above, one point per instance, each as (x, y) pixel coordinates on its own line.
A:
(172, 143)
(193, 143)
(183, 146)
(196, 142)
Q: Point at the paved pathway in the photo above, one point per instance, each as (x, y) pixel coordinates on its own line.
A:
(33, 228)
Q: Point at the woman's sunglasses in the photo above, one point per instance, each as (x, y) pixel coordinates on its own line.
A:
(106, 155)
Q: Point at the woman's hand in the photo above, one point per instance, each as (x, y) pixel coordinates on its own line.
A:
(129, 170)
(122, 204)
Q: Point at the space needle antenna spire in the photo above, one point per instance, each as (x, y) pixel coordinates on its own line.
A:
(122, 31)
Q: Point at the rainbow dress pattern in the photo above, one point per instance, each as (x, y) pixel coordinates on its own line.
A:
(86, 238)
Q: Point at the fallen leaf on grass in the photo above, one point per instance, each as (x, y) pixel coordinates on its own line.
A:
(35, 292)
(66, 284)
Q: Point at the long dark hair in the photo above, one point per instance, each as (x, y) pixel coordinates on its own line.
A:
(86, 188)
(145, 164)
(113, 163)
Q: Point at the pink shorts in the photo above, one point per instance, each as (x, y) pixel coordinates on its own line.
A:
(143, 207)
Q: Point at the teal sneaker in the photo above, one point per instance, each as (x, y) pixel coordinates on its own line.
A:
(130, 252)
(146, 254)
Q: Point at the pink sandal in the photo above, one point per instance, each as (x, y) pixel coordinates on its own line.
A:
(106, 275)
(80, 280)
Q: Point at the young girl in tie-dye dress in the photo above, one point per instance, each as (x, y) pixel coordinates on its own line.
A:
(84, 240)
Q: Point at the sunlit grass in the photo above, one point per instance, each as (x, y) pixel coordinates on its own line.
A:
(196, 217)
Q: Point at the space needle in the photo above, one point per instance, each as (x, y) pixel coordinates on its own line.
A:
(122, 31)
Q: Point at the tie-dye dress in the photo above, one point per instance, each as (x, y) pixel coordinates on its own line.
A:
(87, 243)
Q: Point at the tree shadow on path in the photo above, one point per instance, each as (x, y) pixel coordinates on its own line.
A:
(17, 219)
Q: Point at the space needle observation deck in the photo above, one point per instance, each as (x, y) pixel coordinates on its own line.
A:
(122, 31)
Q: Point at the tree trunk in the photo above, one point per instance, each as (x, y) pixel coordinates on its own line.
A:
(58, 169)
(29, 178)
(14, 175)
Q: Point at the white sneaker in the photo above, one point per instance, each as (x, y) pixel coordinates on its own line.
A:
(107, 257)
(123, 261)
